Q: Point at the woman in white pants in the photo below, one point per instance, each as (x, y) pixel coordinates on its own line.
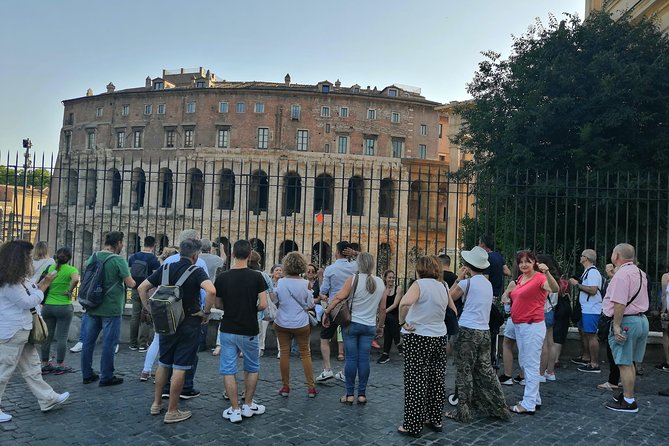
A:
(527, 313)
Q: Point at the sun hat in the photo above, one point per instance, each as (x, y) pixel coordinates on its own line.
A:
(477, 257)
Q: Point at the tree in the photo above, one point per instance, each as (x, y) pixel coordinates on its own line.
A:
(38, 178)
(585, 96)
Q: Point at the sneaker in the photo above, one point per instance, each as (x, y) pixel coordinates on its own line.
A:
(325, 375)
(94, 377)
(113, 381)
(116, 349)
(311, 393)
(144, 376)
(383, 359)
(189, 394)
(134, 348)
(542, 379)
(5, 417)
(340, 376)
(662, 367)
(142, 349)
(76, 348)
(589, 369)
(550, 376)
(278, 355)
(254, 409)
(618, 396)
(46, 369)
(235, 416)
(519, 380)
(165, 395)
(60, 399)
(176, 417)
(580, 361)
(623, 406)
(375, 344)
(284, 391)
(505, 380)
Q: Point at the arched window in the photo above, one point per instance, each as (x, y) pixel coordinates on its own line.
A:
(387, 198)
(258, 246)
(194, 189)
(113, 187)
(226, 189)
(258, 192)
(165, 187)
(383, 259)
(292, 193)
(91, 188)
(137, 188)
(285, 247)
(72, 188)
(321, 253)
(323, 194)
(356, 196)
(134, 243)
(223, 246)
(416, 200)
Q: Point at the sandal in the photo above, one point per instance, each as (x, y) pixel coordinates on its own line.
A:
(403, 431)
(362, 399)
(519, 409)
(434, 427)
(340, 357)
(607, 386)
(346, 399)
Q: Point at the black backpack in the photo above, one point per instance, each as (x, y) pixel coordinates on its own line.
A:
(91, 291)
(139, 271)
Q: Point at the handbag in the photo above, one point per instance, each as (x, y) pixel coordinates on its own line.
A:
(604, 323)
(341, 313)
(269, 313)
(39, 332)
(310, 311)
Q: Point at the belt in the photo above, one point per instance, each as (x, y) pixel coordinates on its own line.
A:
(634, 315)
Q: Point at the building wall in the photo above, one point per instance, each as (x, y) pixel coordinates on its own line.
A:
(659, 9)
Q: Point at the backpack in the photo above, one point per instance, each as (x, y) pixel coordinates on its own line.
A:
(91, 291)
(167, 309)
(139, 271)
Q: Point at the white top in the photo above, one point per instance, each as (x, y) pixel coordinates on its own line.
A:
(15, 305)
(429, 311)
(593, 305)
(365, 305)
(40, 265)
(476, 312)
(551, 302)
(291, 314)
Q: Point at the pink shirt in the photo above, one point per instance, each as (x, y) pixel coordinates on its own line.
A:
(528, 299)
(623, 286)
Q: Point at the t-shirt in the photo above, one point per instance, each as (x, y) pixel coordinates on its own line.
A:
(476, 312)
(152, 262)
(40, 265)
(61, 285)
(238, 288)
(528, 300)
(190, 290)
(591, 304)
(450, 277)
(495, 272)
(428, 313)
(116, 270)
(290, 313)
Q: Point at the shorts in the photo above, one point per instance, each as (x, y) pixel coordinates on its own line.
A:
(231, 346)
(510, 329)
(452, 325)
(549, 319)
(560, 331)
(179, 351)
(588, 323)
(634, 347)
(329, 333)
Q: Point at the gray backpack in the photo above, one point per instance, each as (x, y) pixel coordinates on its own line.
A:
(167, 309)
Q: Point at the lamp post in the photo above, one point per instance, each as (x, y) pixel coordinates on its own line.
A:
(27, 144)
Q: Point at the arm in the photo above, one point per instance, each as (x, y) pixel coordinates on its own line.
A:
(74, 280)
(381, 317)
(23, 300)
(618, 312)
(456, 292)
(506, 295)
(129, 282)
(665, 282)
(506, 271)
(210, 295)
(551, 284)
(143, 291)
(262, 299)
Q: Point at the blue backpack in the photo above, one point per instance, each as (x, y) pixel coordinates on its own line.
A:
(91, 291)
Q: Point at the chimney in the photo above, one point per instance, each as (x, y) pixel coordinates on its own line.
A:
(89, 92)
(110, 88)
(286, 79)
(337, 84)
(148, 82)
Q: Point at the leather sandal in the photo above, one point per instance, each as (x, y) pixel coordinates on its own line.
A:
(347, 399)
(519, 409)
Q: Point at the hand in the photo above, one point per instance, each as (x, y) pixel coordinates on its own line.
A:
(610, 269)
(325, 320)
(505, 299)
(543, 268)
(462, 272)
(573, 281)
(203, 316)
(350, 252)
(618, 333)
(409, 327)
(379, 332)
(46, 280)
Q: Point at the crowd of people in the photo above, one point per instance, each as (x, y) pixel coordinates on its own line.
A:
(441, 313)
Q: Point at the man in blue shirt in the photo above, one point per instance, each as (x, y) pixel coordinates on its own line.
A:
(142, 264)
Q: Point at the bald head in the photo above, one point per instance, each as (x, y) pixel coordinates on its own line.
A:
(622, 253)
(590, 255)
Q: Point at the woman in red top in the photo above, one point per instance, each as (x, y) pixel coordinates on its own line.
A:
(528, 296)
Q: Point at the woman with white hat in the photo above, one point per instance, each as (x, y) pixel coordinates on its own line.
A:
(475, 379)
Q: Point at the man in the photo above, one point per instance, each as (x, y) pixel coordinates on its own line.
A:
(106, 317)
(142, 264)
(214, 263)
(626, 301)
(590, 299)
(334, 277)
(449, 276)
(451, 320)
(240, 293)
(178, 351)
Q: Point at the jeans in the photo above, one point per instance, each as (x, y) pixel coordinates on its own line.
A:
(358, 343)
(530, 341)
(111, 329)
(139, 331)
(58, 319)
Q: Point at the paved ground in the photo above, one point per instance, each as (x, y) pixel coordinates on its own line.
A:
(572, 413)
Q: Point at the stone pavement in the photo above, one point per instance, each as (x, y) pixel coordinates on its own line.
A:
(572, 413)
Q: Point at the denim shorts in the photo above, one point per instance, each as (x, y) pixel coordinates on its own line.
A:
(588, 323)
(178, 351)
(634, 347)
(231, 346)
(549, 318)
(510, 329)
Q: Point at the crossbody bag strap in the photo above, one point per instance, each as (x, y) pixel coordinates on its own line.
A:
(184, 277)
(304, 307)
(352, 295)
(637, 291)
(166, 275)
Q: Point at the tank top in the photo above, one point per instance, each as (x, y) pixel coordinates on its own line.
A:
(390, 299)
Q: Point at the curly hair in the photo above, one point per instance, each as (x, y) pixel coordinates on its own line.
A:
(294, 264)
(15, 262)
(429, 267)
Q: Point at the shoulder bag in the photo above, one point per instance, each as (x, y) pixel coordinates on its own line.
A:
(604, 323)
(341, 313)
(39, 333)
(313, 321)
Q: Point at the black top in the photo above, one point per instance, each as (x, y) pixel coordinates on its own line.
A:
(390, 299)
(450, 277)
(190, 291)
(151, 260)
(495, 272)
(239, 289)
(316, 288)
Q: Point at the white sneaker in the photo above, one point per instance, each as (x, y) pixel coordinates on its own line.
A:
(542, 378)
(340, 376)
(60, 399)
(325, 375)
(4, 417)
(77, 347)
(254, 409)
(233, 415)
(550, 376)
(278, 355)
(116, 349)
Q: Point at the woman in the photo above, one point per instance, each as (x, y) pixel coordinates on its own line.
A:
(528, 298)
(315, 287)
(293, 298)
(18, 294)
(476, 384)
(57, 311)
(391, 331)
(41, 260)
(367, 307)
(422, 313)
(275, 273)
(549, 320)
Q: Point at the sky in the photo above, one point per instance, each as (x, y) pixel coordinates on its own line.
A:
(55, 50)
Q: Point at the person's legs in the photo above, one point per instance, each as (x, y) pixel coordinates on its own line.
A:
(614, 370)
(546, 351)
(151, 353)
(110, 334)
(302, 336)
(351, 335)
(50, 321)
(435, 373)
(30, 369)
(176, 386)
(162, 375)
(262, 334)
(249, 347)
(365, 338)
(593, 348)
(487, 391)
(135, 319)
(340, 344)
(326, 336)
(189, 379)
(585, 346)
(63, 320)
(530, 338)
(90, 330)
(465, 355)
(415, 382)
(284, 335)
(507, 355)
(228, 367)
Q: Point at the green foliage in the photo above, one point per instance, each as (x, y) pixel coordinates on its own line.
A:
(38, 178)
